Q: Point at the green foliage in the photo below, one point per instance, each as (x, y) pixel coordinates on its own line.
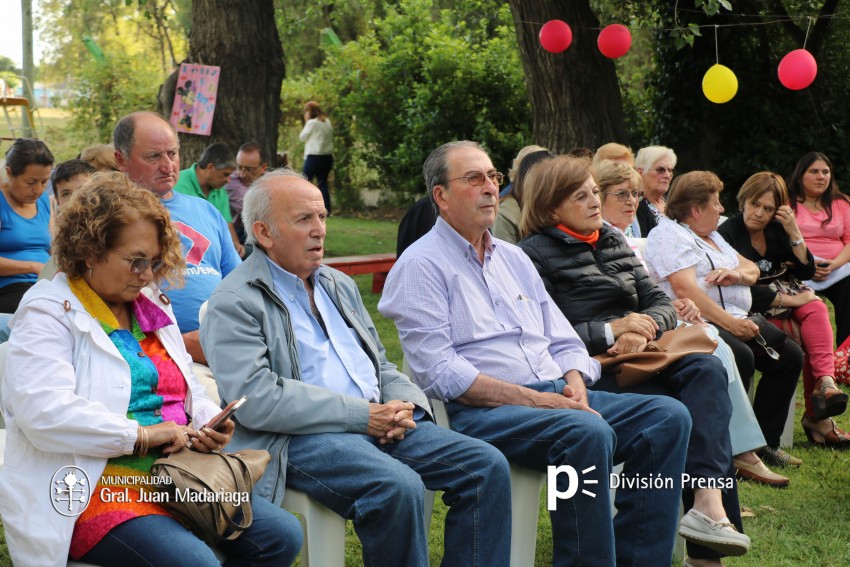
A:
(423, 76)
(766, 126)
(7, 65)
(155, 29)
(106, 91)
(300, 24)
(11, 79)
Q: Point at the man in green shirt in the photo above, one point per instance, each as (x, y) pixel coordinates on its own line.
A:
(206, 180)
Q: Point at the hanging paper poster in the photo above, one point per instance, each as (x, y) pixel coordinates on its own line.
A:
(194, 100)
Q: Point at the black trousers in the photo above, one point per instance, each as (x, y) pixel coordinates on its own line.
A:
(11, 295)
(320, 166)
(839, 294)
(778, 381)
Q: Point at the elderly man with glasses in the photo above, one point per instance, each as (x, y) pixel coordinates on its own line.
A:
(341, 422)
(481, 333)
(250, 164)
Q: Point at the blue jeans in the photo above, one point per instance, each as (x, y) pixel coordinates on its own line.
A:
(699, 381)
(382, 487)
(274, 539)
(5, 331)
(648, 434)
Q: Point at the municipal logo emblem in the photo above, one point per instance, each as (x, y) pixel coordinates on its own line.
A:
(70, 491)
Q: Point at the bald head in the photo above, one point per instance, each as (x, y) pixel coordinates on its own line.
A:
(148, 151)
(286, 215)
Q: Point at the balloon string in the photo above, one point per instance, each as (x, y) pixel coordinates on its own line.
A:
(716, 47)
(808, 27)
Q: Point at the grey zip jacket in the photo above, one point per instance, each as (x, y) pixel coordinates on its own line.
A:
(248, 339)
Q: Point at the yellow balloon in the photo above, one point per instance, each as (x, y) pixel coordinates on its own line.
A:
(719, 84)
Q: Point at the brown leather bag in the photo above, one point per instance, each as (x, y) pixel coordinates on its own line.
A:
(218, 486)
(638, 367)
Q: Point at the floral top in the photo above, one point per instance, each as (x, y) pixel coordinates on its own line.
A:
(672, 247)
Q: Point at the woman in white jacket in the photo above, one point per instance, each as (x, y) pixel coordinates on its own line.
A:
(98, 385)
(318, 138)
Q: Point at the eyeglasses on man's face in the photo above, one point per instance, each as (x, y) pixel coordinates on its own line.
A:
(624, 195)
(661, 170)
(477, 179)
(138, 264)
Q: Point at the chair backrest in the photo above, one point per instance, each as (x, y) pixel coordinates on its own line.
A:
(202, 312)
(2, 375)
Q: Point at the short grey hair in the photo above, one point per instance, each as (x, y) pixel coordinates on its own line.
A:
(436, 167)
(646, 157)
(124, 134)
(257, 204)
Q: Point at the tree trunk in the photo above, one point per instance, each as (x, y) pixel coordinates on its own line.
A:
(575, 97)
(240, 36)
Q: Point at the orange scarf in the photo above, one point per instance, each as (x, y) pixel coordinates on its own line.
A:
(591, 238)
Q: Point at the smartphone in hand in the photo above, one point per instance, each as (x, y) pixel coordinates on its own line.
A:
(218, 420)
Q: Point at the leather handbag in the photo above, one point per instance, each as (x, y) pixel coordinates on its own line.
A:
(638, 367)
(782, 281)
(205, 491)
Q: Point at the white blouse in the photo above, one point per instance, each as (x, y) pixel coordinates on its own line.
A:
(672, 247)
(319, 137)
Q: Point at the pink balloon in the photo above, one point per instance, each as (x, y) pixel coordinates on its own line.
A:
(555, 36)
(797, 70)
(614, 41)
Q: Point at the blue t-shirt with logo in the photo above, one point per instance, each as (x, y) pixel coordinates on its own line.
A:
(24, 239)
(209, 252)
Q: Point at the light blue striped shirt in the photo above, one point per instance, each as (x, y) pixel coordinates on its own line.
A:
(458, 318)
(336, 361)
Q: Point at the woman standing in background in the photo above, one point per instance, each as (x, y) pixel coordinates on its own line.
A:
(317, 136)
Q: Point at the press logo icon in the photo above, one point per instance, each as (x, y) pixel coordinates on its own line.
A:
(70, 491)
(554, 494)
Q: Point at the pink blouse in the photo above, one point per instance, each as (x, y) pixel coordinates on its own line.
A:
(825, 242)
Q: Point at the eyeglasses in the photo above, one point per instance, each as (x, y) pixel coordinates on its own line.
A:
(138, 265)
(477, 179)
(769, 350)
(624, 195)
(662, 170)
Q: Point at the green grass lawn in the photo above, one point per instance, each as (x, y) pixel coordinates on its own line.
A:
(801, 525)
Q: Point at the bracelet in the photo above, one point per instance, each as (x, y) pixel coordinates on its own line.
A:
(740, 277)
(795, 243)
(143, 442)
(779, 295)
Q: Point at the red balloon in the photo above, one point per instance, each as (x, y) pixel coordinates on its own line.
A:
(614, 41)
(798, 69)
(555, 36)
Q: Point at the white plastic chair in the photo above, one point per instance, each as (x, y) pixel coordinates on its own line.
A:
(786, 440)
(525, 503)
(321, 526)
(2, 419)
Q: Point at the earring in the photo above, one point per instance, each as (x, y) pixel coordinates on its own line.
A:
(91, 269)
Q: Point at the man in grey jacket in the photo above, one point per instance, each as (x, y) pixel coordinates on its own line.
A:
(341, 422)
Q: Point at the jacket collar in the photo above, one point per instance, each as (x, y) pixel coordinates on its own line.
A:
(259, 272)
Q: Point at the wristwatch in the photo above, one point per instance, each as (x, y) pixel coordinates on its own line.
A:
(796, 242)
